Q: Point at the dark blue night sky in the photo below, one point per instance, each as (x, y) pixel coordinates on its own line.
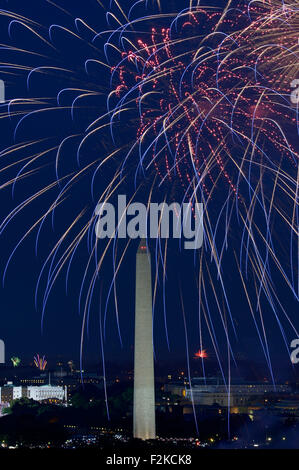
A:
(59, 336)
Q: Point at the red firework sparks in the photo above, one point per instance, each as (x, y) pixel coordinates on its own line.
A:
(201, 354)
(204, 106)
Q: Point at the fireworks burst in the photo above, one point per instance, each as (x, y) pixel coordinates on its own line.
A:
(16, 361)
(215, 124)
(196, 111)
(201, 354)
(275, 34)
(40, 362)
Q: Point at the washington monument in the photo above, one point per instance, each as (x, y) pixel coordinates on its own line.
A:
(144, 381)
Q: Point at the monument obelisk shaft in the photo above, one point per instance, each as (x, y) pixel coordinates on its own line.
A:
(144, 380)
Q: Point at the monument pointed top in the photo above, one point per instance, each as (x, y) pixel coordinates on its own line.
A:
(142, 248)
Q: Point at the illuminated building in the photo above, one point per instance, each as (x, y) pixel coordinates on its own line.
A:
(33, 381)
(11, 392)
(46, 392)
(144, 381)
(207, 391)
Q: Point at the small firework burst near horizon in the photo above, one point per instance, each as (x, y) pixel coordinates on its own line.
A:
(16, 361)
(201, 354)
(40, 362)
